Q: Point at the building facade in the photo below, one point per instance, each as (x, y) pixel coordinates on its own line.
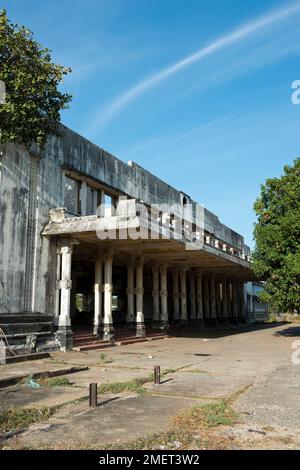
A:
(89, 241)
(256, 310)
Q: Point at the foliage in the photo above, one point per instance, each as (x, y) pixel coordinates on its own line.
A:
(33, 101)
(58, 382)
(277, 235)
(16, 418)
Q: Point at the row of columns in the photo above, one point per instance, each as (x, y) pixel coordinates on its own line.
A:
(210, 298)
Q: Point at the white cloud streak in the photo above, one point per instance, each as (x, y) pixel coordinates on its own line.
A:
(116, 106)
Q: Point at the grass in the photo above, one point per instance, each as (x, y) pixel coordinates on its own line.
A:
(210, 415)
(134, 385)
(57, 382)
(103, 358)
(167, 371)
(18, 418)
(194, 371)
(192, 429)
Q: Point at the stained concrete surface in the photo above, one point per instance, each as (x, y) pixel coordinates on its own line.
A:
(116, 419)
(200, 385)
(39, 397)
(270, 411)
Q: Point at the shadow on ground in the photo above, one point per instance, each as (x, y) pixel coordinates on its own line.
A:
(222, 331)
(290, 332)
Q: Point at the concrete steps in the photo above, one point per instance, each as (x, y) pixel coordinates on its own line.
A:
(125, 341)
(11, 329)
(90, 346)
(17, 326)
(90, 342)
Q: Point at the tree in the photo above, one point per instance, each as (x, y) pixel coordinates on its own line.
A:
(277, 234)
(33, 101)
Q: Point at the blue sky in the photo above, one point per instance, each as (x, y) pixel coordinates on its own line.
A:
(198, 92)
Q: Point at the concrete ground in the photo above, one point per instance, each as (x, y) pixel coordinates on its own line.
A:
(251, 365)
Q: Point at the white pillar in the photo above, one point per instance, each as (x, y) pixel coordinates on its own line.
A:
(176, 311)
(155, 294)
(108, 329)
(98, 288)
(183, 295)
(65, 284)
(140, 325)
(192, 295)
(164, 296)
(64, 333)
(130, 293)
(57, 291)
(199, 296)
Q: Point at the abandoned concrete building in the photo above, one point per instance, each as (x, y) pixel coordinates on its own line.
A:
(72, 275)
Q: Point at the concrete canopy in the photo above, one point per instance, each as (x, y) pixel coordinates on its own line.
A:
(160, 246)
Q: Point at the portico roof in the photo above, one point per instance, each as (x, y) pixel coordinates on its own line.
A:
(157, 243)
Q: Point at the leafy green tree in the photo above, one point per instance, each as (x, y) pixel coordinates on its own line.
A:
(33, 102)
(277, 234)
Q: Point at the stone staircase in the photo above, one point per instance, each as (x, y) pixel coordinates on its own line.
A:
(21, 327)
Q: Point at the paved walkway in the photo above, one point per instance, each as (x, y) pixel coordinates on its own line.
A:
(252, 364)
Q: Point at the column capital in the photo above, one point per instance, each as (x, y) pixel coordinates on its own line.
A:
(64, 243)
(139, 261)
(99, 256)
(131, 261)
(108, 255)
(139, 291)
(107, 288)
(98, 288)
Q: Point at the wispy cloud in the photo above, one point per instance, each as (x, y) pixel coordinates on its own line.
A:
(245, 31)
(155, 144)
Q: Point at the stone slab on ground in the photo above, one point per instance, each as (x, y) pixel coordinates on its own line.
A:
(275, 400)
(116, 420)
(199, 385)
(39, 397)
(13, 379)
(102, 375)
(208, 365)
(269, 411)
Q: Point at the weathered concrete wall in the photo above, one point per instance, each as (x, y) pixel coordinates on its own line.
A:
(14, 212)
(14, 175)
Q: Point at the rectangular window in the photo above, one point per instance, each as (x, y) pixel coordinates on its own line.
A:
(72, 195)
(91, 195)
